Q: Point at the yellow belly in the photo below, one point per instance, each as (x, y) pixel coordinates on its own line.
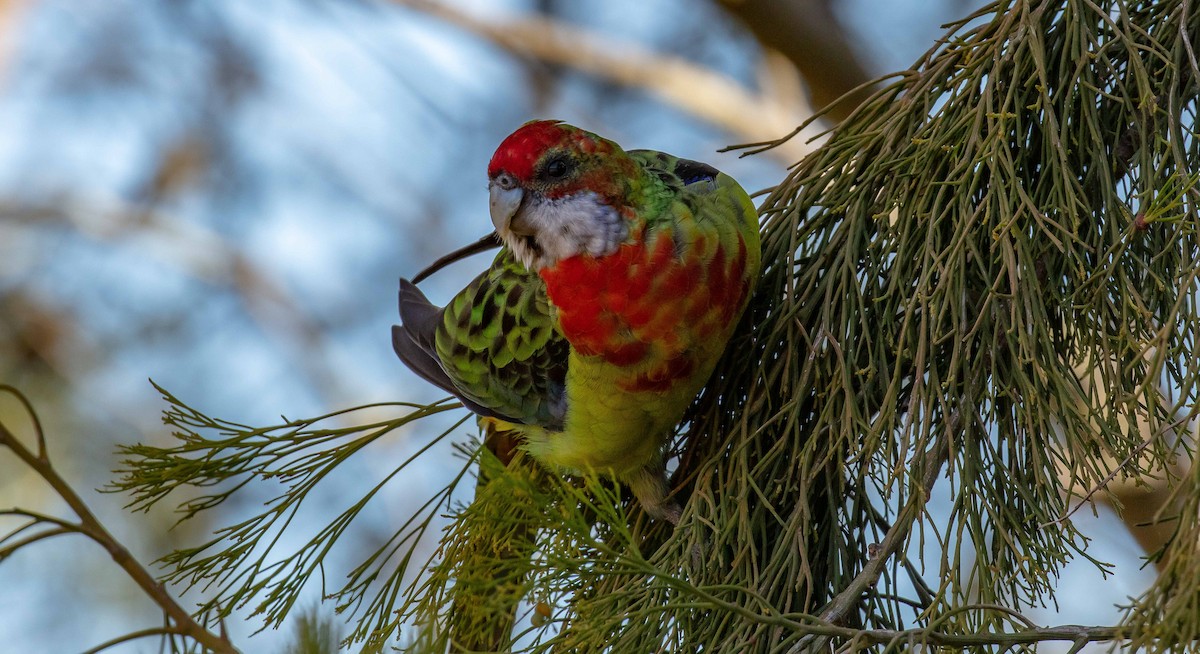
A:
(609, 429)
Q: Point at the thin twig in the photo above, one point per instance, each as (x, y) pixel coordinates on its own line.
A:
(816, 626)
(845, 601)
(38, 433)
(91, 527)
(924, 593)
(11, 548)
(1187, 43)
(133, 635)
(840, 606)
(1067, 632)
(1137, 451)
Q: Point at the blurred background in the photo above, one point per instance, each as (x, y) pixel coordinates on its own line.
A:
(219, 195)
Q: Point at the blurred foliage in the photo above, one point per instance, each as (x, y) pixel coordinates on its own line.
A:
(314, 633)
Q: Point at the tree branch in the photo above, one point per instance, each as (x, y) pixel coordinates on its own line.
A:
(91, 527)
(840, 606)
(676, 81)
(809, 35)
(1068, 632)
(134, 635)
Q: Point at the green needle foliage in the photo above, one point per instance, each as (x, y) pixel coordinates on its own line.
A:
(242, 565)
(1013, 215)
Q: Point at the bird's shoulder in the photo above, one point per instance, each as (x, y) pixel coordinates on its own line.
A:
(678, 174)
(695, 195)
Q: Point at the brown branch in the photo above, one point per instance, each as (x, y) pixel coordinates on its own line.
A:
(809, 35)
(1067, 632)
(134, 635)
(1187, 42)
(12, 546)
(699, 91)
(840, 606)
(91, 527)
(815, 627)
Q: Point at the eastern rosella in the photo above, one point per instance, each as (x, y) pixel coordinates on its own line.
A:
(621, 277)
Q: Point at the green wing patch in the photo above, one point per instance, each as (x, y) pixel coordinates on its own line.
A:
(498, 344)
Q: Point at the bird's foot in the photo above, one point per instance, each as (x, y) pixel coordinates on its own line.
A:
(649, 486)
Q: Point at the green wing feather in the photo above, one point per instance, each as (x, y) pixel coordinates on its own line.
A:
(498, 343)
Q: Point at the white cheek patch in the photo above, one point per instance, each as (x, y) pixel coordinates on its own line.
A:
(565, 227)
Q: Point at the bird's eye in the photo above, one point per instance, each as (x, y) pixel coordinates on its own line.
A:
(557, 168)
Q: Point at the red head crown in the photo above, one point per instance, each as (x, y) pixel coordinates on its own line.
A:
(519, 154)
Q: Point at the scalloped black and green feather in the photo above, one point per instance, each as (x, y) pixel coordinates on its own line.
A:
(494, 346)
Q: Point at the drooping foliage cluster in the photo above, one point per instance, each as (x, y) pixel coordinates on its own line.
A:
(990, 269)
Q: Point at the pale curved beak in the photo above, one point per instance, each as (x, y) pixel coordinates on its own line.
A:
(504, 204)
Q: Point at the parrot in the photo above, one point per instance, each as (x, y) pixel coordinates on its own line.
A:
(620, 279)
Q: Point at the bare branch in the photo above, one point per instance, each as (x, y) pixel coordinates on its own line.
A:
(91, 527)
(809, 35)
(134, 635)
(1067, 632)
(701, 92)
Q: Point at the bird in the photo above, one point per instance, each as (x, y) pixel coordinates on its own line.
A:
(620, 279)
